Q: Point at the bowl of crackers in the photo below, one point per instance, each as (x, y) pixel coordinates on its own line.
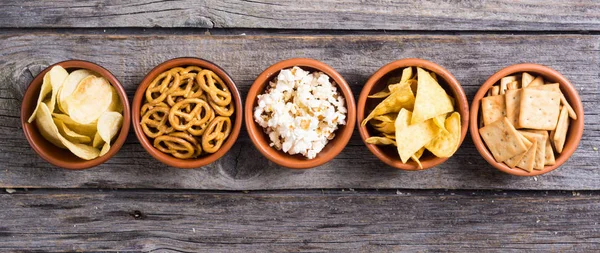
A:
(412, 114)
(187, 112)
(526, 120)
(75, 114)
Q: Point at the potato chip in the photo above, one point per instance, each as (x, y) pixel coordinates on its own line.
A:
(105, 149)
(91, 98)
(57, 77)
(51, 133)
(84, 129)
(44, 91)
(431, 99)
(97, 141)
(446, 143)
(69, 86)
(380, 141)
(70, 134)
(109, 124)
(401, 98)
(411, 138)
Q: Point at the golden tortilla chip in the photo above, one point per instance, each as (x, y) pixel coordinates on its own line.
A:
(411, 138)
(401, 98)
(380, 141)
(431, 99)
(446, 143)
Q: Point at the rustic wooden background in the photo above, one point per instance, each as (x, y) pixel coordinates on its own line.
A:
(245, 203)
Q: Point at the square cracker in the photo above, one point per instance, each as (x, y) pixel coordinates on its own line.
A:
(541, 137)
(526, 79)
(513, 104)
(563, 99)
(560, 134)
(539, 109)
(513, 161)
(549, 153)
(502, 139)
(493, 108)
(528, 160)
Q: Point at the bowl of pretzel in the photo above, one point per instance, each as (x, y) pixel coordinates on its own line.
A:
(187, 112)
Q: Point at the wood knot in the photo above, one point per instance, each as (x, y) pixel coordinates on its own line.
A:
(21, 77)
(138, 215)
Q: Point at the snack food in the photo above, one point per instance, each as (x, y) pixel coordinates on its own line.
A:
(536, 120)
(187, 112)
(300, 111)
(74, 107)
(425, 118)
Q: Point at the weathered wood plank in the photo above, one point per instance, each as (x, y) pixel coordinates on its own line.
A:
(472, 59)
(437, 15)
(292, 222)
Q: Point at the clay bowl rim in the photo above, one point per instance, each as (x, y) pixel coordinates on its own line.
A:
(575, 129)
(168, 159)
(258, 137)
(30, 100)
(451, 84)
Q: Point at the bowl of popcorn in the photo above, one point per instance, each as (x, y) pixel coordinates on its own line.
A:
(526, 120)
(300, 113)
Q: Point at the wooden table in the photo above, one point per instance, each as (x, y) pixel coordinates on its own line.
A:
(243, 202)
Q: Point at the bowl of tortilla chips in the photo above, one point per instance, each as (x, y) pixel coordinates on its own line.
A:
(526, 120)
(75, 114)
(412, 114)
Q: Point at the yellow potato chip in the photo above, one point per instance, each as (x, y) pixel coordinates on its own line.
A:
(109, 124)
(50, 132)
(411, 138)
(431, 99)
(69, 86)
(57, 77)
(401, 98)
(91, 98)
(85, 129)
(105, 149)
(70, 134)
(97, 141)
(44, 91)
(446, 143)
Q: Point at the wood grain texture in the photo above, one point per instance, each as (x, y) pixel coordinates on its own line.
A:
(316, 221)
(436, 15)
(471, 58)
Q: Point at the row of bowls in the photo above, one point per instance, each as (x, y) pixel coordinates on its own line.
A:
(356, 113)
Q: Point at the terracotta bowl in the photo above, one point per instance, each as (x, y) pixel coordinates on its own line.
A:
(575, 128)
(261, 140)
(63, 157)
(167, 159)
(378, 81)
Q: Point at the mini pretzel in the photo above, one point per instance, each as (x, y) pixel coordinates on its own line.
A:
(154, 122)
(215, 134)
(190, 89)
(161, 86)
(147, 107)
(226, 111)
(191, 140)
(199, 114)
(178, 147)
(217, 91)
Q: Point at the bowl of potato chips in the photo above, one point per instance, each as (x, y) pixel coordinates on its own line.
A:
(526, 120)
(412, 114)
(75, 114)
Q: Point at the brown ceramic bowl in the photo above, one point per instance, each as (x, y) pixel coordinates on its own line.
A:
(575, 128)
(167, 159)
(63, 157)
(261, 140)
(378, 81)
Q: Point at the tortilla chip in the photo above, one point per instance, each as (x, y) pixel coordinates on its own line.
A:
(401, 98)
(431, 99)
(380, 141)
(446, 143)
(411, 138)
